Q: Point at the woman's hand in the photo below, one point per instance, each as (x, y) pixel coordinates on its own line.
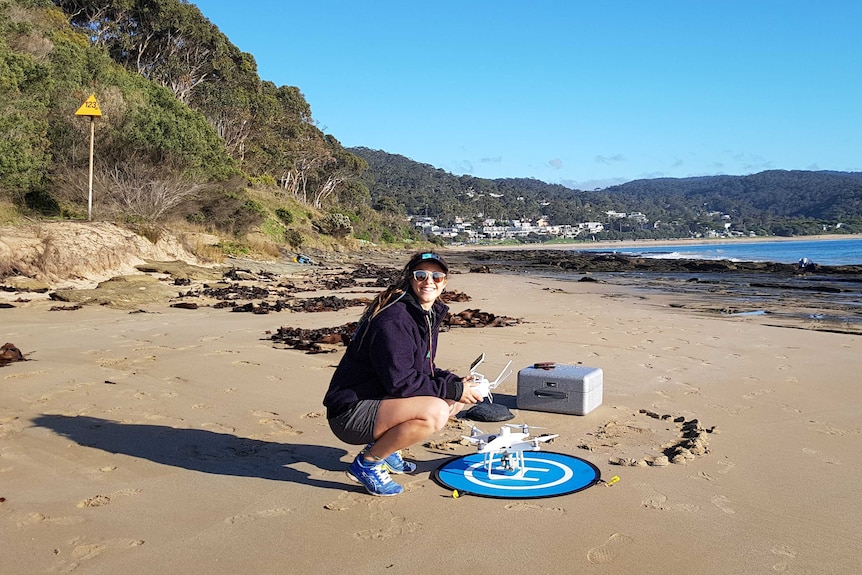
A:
(471, 393)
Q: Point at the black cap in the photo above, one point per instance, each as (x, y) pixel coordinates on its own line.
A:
(420, 257)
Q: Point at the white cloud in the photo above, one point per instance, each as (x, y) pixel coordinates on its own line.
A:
(596, 184)
(609, 159)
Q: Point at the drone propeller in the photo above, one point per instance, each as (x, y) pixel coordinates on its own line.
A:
(542, 439)
(524, 427)
(478, 441)
(503, 375)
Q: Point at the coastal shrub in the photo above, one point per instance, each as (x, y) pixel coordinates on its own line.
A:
(336, 225)
(294, 238)
(284, 215)
(228, 211)
(24, 156)
(263, 180)
(42, 202)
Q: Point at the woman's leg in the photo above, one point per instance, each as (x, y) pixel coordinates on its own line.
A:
(402, 422)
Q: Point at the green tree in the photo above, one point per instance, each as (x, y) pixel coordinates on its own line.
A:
(24, 82)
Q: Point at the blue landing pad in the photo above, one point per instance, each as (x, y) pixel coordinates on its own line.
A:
(546, 474)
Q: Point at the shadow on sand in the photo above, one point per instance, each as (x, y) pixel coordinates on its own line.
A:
(199, 449)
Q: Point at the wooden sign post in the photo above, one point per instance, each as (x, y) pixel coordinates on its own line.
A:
(90, 108)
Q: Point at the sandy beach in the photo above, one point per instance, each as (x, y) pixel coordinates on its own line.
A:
(186, 441)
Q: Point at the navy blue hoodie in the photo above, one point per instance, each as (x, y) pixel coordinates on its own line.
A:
(392, 355)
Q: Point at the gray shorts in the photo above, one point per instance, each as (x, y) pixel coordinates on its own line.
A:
(356, 425)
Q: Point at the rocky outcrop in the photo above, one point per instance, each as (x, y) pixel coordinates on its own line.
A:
(60, 253)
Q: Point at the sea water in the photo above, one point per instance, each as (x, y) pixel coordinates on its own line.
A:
(839, 306)
(829, 252)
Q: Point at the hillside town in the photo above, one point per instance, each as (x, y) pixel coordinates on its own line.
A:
(542, 229)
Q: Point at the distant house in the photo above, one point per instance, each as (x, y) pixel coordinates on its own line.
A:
(592, 227)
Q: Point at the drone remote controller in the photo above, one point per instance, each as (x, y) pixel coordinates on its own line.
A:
(483, 386)
(480, 382)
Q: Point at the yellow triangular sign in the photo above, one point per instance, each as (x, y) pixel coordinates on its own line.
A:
(89, 108)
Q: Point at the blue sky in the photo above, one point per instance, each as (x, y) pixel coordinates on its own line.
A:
(582, 93)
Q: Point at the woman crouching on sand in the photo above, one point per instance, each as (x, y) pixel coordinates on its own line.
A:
(386, 392)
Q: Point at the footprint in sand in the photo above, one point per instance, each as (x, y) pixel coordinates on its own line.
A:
(758, 393)
(820, 456)
(96, 501)
(86, 551)
(723, 503)
(689, 389)
(397, 526)
(114, 362)
(658, 501)
(100, 500)
(786, 554)
(94, 472)
(736, 410)
(828, 429)
(278, 426)
(728, 465)
(264, 514)
(24, 375)
(345, 501)
(10, 426)
(523, 506)
(218, 427)
(790, 409)
(608, 551)
(37, 518)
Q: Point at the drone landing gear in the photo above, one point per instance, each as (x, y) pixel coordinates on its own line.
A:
(511, 466)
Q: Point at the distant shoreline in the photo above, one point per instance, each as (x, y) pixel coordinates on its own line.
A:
(643, 242)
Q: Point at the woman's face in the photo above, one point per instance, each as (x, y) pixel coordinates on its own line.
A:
(427, 290)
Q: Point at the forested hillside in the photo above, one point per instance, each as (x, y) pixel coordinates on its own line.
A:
(774, 202)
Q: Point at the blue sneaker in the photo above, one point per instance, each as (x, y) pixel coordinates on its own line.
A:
(374, 477)
(396, 464)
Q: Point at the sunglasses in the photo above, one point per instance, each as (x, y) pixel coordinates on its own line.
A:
(422, 275)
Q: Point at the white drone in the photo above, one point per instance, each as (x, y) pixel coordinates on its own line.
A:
(510, 447)
(481, 383)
